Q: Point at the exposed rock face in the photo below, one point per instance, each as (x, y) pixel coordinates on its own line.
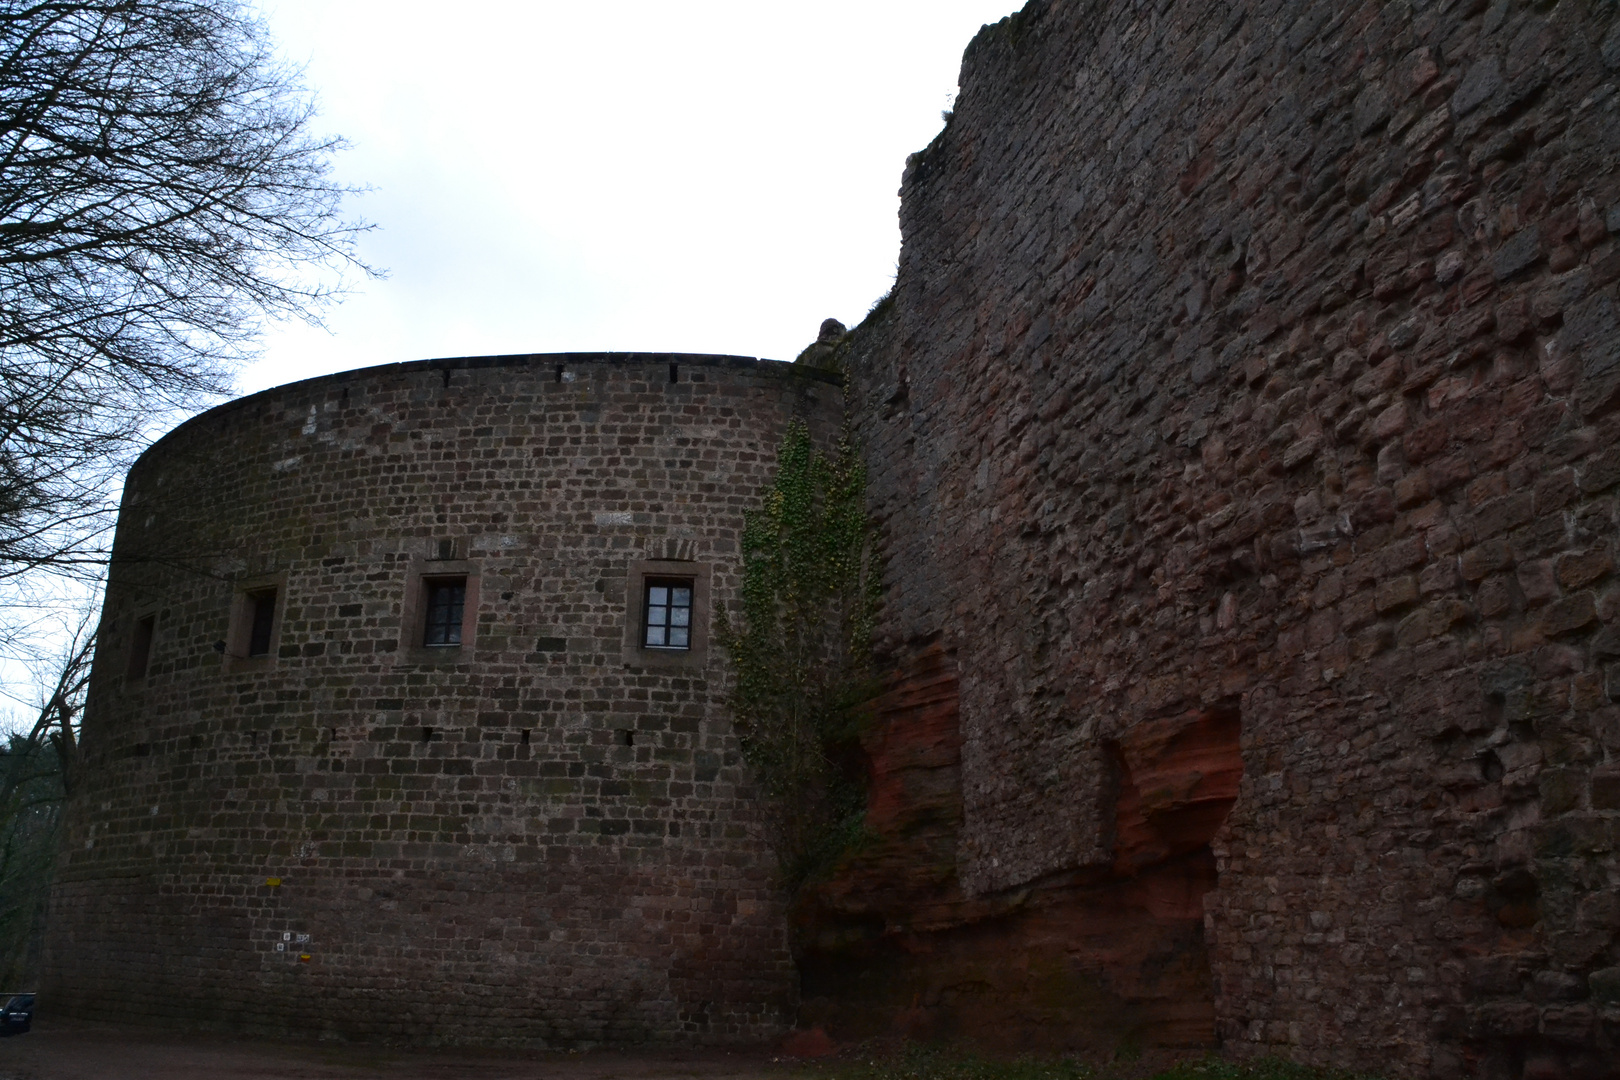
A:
(1092, 961)
(1177, 779)
(1251, 374)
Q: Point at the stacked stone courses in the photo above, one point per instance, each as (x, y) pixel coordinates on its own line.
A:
(543, 837)
(1264, 357)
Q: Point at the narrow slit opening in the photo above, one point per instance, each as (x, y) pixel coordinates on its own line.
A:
(674, 373)
(427, 734)
(140, 648)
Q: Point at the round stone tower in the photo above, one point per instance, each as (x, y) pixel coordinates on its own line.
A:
(407, 714)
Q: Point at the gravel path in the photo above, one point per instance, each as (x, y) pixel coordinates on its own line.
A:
(74, 1052)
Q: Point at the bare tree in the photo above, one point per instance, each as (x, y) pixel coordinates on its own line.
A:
(37, 771)
(161, 193)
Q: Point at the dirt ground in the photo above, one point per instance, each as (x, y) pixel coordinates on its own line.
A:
(82, 1052)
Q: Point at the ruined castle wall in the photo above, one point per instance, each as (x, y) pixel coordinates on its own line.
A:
(544, 836)
(1252, 370)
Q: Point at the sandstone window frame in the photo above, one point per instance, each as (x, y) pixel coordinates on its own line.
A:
(637, 577)
(422, 574)
(245, 595)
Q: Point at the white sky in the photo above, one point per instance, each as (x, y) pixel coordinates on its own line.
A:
(550, 176)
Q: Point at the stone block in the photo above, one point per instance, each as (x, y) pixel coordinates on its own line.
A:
(1561, 790)
(1568, 615)
(1606, 778)
(1480, 561)
(1606, 643)
(1591, 336)
(1555, 986)
(1572, 1025)
(1601, 472)
(1605, 986)
(1395, 594)
(1577, 570)
(1538, 581)
(1500, 515)
(1479, 84)
(1507, 1019)
(1521, 251)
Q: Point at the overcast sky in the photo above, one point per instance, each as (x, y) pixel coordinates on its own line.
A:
(550, 176)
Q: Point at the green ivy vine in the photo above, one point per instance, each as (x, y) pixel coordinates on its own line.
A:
(800, 650)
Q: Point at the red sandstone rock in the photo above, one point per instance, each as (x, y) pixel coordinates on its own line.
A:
(813, 1043)
(890, 945)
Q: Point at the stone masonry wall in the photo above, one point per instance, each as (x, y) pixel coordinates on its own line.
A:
(1261, 360)
(544, 837)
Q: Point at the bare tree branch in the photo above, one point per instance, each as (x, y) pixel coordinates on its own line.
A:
(37, 771)
(161, 194)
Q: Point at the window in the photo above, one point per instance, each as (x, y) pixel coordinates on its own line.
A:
(446, 601)
(262, 605)
(253, 634)
(140, 647)
(669, 614)
(439, 613)
(666, 614)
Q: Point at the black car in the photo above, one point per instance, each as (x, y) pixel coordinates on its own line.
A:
(16, 1013)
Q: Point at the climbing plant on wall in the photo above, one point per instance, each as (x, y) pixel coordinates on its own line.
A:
(800, 649)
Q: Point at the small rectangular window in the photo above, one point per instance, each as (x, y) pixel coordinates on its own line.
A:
(446, 598)
(140, 647)
(669, 614)
(439, 609)
(262, 605)
(253, 634)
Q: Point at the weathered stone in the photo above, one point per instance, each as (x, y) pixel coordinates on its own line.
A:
(1606, 787)
(1572, 613)
(1611, 49)
(1521, 251)
(1591, 337)
(1396, 594)
(1509, 1018)
(1576, 571)
(1605, 986)
(1572, 1025)
(1482, 81)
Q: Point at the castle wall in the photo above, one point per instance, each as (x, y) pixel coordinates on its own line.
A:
(1251, 374)
(543, 836)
